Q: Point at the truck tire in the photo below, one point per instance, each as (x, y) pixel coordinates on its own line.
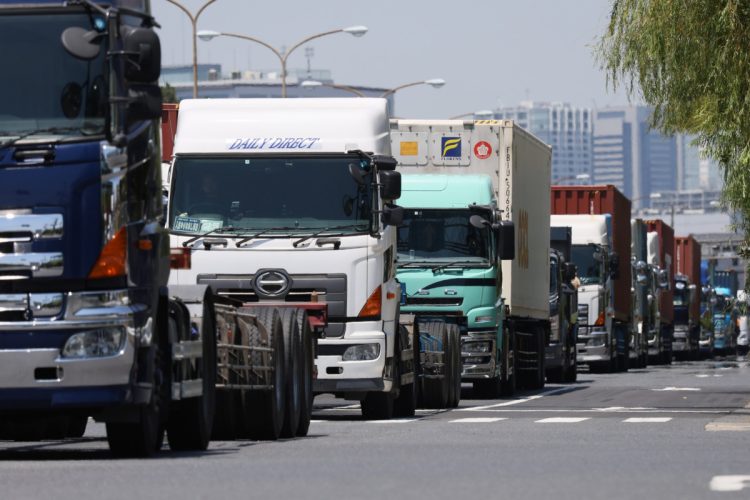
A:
(77, 426)
(435, 390)
(571, 375)
(191, 421)
(308, 368)
(456, 369)
(406, 402)
(294, 362)
(144, 437)
(266, 408)
(534, 379)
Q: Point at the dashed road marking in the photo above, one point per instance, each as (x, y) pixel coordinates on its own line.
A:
(677, 389)
(561, 420)
(729, 483)
(647, 420)
(477, 420)
(393, 421)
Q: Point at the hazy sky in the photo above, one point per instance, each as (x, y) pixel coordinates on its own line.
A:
(489, 52)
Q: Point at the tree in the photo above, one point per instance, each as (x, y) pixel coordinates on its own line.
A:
(168, 93)
(690, 60)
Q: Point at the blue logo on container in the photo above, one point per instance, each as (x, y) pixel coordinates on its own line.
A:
(450, 147)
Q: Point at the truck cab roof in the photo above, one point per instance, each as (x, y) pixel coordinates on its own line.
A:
(282, 126)
(587, 229)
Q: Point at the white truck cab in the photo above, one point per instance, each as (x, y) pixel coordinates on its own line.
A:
(289, 200)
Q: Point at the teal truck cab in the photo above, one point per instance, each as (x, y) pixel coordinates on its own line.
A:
(450, 247)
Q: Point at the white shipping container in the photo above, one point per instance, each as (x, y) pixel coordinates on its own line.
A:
(519, 165)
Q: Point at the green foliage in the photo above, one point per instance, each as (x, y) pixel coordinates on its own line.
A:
(168, 93)
(690, 60)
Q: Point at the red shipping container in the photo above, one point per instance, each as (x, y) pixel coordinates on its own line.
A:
(168, 130)
(600, 200)
(687, 252)
(666, 257)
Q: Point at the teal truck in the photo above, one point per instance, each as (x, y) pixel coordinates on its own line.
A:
(450, 245)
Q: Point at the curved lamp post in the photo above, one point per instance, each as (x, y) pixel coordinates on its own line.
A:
(207, 35)
(311, 84)
(434, 82)
(194, 22)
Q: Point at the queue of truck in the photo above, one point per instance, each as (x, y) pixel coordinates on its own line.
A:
(204, 277)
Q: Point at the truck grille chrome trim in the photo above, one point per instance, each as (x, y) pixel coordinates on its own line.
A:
(30, 265)
(22, 225)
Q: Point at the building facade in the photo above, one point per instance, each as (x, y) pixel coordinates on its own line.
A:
(566, 128)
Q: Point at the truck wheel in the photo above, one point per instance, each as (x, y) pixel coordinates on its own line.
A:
(308, 366)
(191, 421)
(435, 389)
(266, 408)
(77, 426)
(454, 382)
(572, 373)
(144, 437)
(406, 402)
(294, 366)
(535, 379)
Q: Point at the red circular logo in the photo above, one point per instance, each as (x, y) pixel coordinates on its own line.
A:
(482, 150)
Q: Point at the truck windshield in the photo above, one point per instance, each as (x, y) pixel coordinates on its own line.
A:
(44, 87)
(286, 195)
(441, 235)
(589, 268)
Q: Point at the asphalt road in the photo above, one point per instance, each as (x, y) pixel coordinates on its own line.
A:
(674, 432)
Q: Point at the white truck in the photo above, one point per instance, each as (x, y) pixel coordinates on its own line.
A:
(518, 165)
(289, 200)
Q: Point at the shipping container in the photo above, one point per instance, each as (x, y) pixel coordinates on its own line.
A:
(687, 252)
(665, 234)
(599, 200)
(168, 130)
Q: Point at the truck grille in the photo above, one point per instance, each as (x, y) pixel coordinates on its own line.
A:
(330, 289)
(434, 301)
(20, 230)
(583, 315)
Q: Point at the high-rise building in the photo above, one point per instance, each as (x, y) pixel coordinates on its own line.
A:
(566, 128)
(628, 153)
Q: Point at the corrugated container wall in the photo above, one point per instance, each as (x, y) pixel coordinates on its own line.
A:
(599, 200)
(666, 236)
(168, 130)
(687, 253)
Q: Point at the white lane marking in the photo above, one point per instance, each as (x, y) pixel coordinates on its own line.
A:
(677, 389)
(477, 420)
(729, 483)
(706, 375)
(728, 426)
(515, 401)
(562, 420)
(647, 420)
(603, 410)
(393, 421)
(317, 421)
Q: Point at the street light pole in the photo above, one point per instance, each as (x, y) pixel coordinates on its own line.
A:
(283, 56)
(194, 22)
(435, 82)
(314, 83)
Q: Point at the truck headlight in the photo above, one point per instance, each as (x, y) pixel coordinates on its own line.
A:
(94, 343)
(597, 340)
(361, 352)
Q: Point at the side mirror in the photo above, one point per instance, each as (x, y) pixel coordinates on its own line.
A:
(81, 44)
(390, 184)
(478, 221)
(663, 279)
(614, 265)
(392, 215)
(505, 240)
(143, 51)
(356, 174)
(569, 271)
(384, 162)
(641, 273)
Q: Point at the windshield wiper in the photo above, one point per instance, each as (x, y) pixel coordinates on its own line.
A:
(324, 230)
(410, 263)
(262, 232)
(454, 263)
(218, 230)
(28, 133)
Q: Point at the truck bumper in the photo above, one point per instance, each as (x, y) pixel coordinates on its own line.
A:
(360, 376)
(34, 374)
(679, 341)
(595, 345)
(479, 357)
